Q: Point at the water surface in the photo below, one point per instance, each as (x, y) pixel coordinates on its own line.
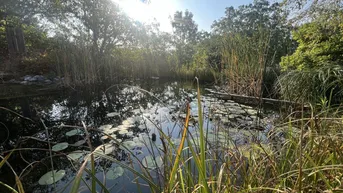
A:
(145, 108)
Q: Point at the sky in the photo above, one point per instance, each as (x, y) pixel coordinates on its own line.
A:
(205, 11)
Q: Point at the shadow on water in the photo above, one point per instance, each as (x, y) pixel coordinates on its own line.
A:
(139, 106)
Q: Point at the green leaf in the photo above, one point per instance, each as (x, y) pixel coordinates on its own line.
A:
(49, 177)
(114, 173)
(151, 163)
(74, 132)
(60, 146)
(75, 155)
(113, 114)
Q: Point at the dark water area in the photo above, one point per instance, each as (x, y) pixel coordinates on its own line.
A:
(130, 112)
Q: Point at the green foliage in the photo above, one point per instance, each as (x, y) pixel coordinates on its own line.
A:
(313, 84)
(315, 68)
(248, 20)
(244, 62)
(184, 37)
(319, 43)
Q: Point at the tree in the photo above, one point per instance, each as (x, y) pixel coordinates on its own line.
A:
(320, 42)
(307, 10)
(249, 20)
(184, 36)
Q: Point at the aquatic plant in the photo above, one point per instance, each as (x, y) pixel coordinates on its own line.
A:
(300, 155)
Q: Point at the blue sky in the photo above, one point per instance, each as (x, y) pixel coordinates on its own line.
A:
(205, 11)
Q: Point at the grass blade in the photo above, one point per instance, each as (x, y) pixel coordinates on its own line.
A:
(177, 159)
(6, 158)
(8, 187)
(19, 185)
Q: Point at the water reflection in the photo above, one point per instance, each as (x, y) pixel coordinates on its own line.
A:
(146, 106)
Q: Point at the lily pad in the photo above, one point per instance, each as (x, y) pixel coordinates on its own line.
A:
(129, 144)
(141, 127)
(255, 150)
(251, 112)
(116, 141)
(75, 155)
(113, 114)
(151, 163)
(60, 146)
(123, 132)
(51, 177)
(74, 132)
(78, 143)
(129, 134)
(128, 121)
(139, 144)
(104, 127)
(122, 127)
(110, 131)
(114, 173)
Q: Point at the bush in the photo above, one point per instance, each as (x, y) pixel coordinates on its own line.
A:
(311, 85)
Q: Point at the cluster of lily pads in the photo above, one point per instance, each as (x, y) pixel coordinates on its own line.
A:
(133, 132)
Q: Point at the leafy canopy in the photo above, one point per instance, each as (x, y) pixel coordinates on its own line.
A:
(320, 42)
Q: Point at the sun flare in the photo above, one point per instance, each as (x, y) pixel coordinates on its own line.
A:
(148, 12)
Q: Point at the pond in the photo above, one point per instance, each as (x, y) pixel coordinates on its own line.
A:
(122, 121)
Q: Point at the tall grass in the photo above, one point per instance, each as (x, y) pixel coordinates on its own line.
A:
(78, 63)
(301, 155)
(313, 84)
(244, 60)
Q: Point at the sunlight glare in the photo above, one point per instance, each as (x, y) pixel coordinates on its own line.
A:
(160, 10)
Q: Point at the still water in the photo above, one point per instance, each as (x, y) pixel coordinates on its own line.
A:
(129, 113)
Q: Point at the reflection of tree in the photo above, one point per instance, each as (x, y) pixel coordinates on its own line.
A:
(90, 105)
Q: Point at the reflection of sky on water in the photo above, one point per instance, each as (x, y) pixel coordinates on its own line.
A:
(161, 105)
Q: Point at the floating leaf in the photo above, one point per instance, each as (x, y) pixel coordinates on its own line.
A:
(251, 112)
(104, 127)
(75, 155)
(122, 127)
(151, 163)
(255, 150)
(140, 144)
(113, 114)
(74, 132)
(129, 134)
(129, 144)
(60, 146)
(141, 127)
(49, 177)
(129, 122)
(116, 141)
(78, 143)
(114, 173)
(123, 132)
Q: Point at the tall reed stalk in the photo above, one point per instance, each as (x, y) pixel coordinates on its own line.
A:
(244, 61)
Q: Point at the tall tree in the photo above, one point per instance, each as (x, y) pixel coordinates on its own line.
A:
(184, 36)
(249, 20)
(307, 10)
(320, 43)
